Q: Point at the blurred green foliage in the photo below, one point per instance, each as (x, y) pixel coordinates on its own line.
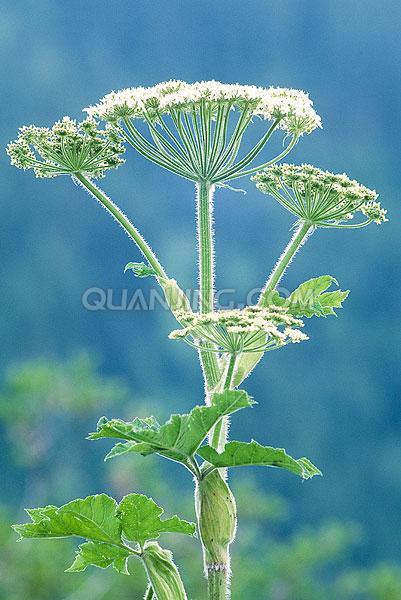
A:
(272, 562)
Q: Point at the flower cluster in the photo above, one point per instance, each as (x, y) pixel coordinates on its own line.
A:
(67, 148)
(374, 212)
(321, 198)
(291, 107)
(252, 329)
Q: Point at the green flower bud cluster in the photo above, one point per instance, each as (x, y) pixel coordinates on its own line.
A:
(374, 212)
(236, 331)
(318, 197)
(68, 148)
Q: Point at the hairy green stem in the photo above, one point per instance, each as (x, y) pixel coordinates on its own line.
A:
(205, 191)
(217, 572)
(219, 436)
(217, 584)
(248, 362)
(125, 223)
(301, 233)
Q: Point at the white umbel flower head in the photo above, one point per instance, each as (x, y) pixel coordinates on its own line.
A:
(292, 107)
(189, 123)
(252, 329)
(68, 148)
(321, 198)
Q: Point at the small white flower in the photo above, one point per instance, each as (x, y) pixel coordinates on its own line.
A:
(293, 107)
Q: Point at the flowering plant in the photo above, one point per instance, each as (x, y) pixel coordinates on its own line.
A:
(196, 131)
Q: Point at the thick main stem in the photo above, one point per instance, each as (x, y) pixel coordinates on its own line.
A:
(125, 223)
(217, 569)
(217, 584)
(205, 191)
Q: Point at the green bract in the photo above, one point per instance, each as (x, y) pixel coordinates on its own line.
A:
(216, 513)
(163, 575)
(189, 123)
(68, 148)
(318, 197)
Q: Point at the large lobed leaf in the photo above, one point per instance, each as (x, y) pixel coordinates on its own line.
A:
(140, 519)
(180, 437)
(100, 555)
(237, 454)
(93, 518)
(105, 525)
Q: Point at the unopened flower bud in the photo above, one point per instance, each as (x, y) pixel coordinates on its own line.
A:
(175, 297)
(217, 518)
(162, 572)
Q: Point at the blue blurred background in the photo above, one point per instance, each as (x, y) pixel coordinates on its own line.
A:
(335, 399)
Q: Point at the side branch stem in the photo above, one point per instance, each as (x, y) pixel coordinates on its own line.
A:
(125, 223)
(299, 237)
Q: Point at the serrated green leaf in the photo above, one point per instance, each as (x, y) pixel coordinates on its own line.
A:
(128, 447)
(100, 555)
(106, 525)
(180, 437)
(140, 269)
(237, 454)
(140, 520)
(311, 299)
(93, 518)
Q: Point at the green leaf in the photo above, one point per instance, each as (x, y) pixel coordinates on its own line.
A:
(93, 518)
(140, 269)
(140, 519)
(105, 525)
(180, 437)
(100, 555)
(311, 299)
(237, 454)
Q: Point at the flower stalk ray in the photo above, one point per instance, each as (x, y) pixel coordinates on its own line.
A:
(189, 124)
